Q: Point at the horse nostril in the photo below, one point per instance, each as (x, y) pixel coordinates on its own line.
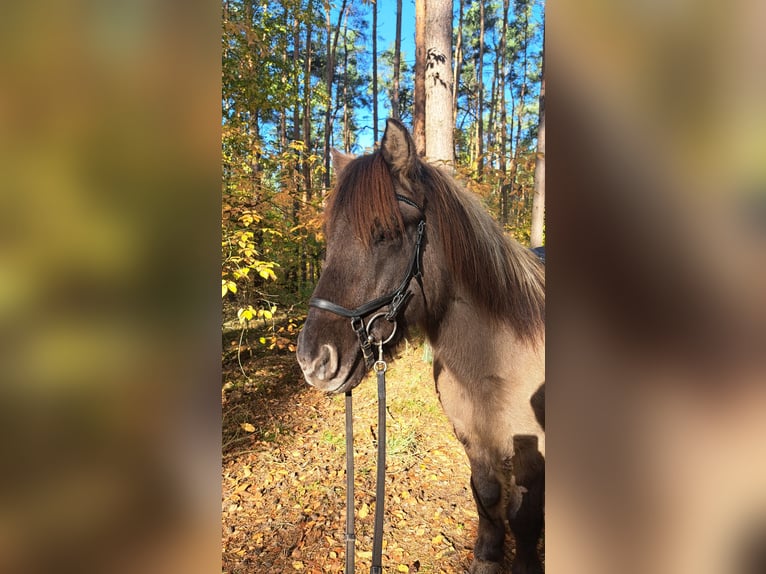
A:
(326, 365)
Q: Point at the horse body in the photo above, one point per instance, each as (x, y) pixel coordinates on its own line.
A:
(480, 301)
(486, 377)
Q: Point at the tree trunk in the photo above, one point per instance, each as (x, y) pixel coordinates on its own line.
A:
(292, 271)
(538, 202)
(458, 67)
(503, 123)
(307, 192)
(328, 83)
(419, 95)
(346, 118)
(375, 71)
(491, 146)
(439, 126)
(515, 186)
(480, 97)
(332, 48)
(397, 60)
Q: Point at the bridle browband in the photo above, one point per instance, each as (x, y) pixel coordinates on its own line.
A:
(396, 300)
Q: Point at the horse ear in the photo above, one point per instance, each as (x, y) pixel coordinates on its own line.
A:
(340, 160)
(398, 147)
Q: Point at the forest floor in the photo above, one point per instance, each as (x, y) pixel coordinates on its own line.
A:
(283, 475)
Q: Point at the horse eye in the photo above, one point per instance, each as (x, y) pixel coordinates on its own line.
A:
(380, 235)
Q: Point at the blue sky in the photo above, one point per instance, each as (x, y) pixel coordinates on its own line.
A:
(386, 37)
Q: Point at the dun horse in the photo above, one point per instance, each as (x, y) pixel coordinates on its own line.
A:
(480, 299)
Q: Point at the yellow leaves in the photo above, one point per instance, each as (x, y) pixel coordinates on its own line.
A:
(244, 239)
(242, 487)
(402, 568)
(273, 232)
(241, 273)
(438, 539)
(248, 218)
(247, 427)
(249, 313)
(246, 314)
(267, 313)
(266, 271)
(227, 286)
(364, 511)
(298, 565)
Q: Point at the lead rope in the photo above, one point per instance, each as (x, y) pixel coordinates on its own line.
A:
(350, 538)
(380, 368)
(380, 481)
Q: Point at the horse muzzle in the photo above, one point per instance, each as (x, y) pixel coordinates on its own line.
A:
(323, 368)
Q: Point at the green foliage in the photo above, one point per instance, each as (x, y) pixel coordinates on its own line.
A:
(273, 133)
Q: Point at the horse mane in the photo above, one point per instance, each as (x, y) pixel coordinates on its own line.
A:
(365, 192)
(504, 278)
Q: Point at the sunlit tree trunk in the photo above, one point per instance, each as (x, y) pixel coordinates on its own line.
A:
(375, 70)
(480, 97)
(332, 48)
(346, 111)
(419, 95)
(503, 123)
(458, 66)
(307, 191)
(439, 126)
(292, 270)
(397, 60)
(491, 148)
(520, 110)
(538, 201)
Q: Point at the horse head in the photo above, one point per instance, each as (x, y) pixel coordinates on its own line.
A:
(374, 227)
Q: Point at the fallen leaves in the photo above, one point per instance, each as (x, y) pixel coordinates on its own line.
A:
(283, 489)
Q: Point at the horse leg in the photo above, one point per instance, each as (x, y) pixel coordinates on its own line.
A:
(485, 482)
(527, 517)
(487, 492)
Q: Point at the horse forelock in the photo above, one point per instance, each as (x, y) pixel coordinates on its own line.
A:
(501, 276)
(364, 193)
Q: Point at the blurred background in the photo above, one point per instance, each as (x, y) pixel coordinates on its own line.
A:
(109, 310)
(656, 218)
(109, 193)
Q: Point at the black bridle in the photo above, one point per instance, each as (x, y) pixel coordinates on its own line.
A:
(396, 300)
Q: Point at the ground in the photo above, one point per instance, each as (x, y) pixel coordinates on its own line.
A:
(283, 484)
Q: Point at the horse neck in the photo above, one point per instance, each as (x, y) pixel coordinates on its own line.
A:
(458, 328)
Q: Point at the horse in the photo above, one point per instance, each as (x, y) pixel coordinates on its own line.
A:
(478, 296)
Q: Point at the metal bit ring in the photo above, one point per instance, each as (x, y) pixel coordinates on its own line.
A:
(369, 324)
